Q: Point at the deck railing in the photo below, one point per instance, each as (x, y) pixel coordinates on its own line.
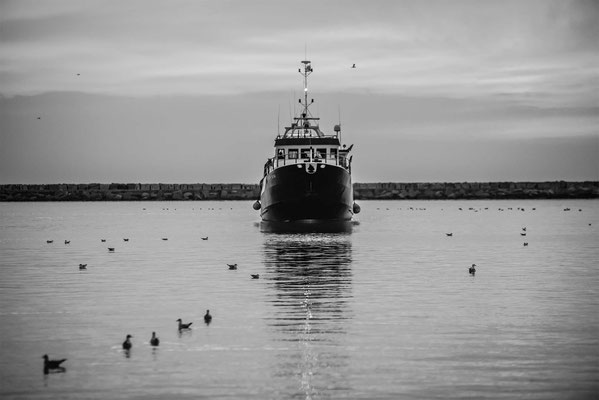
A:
(276, 162)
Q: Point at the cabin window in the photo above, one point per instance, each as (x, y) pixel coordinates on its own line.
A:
(333, 154)
(281, 154)
(305, 153)
(321, 153)
(292, 153)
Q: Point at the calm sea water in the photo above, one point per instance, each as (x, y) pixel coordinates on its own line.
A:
(384, 310)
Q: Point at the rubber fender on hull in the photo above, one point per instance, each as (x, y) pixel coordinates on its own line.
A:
(356, 208)
(257, 205)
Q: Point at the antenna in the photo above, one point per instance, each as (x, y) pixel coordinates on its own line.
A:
(339, 132)
(279, 120)
(294, 106)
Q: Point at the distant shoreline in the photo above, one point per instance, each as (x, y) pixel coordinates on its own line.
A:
(237, 191)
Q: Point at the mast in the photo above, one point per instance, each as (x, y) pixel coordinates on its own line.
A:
(307, 71)
(305, 118)
(304, 125)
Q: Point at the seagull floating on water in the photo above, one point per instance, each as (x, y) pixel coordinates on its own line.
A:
(49, 241)
(52, 364)
(205, 238)
(207, 317)
(525, 243)
(472, 269)
(67, 241)
(255, 276)
(353, 66)
(127, 343)
(103, 240)
(125, 239)
(82, 266)
(232, 266)
(183, 326)
(111, 249)
(449, 234)
(164, 238)
(154, 341)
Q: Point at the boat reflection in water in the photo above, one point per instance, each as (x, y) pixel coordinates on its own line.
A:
(311, 278)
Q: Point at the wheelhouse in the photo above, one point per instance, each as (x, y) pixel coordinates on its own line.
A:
(304, 142)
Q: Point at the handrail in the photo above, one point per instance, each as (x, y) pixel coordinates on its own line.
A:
(276, 162)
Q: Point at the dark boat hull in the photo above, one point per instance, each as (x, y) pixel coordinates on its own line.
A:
(307, 192)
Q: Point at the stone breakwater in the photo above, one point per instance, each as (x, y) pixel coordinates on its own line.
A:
(128, 191)
(477, 190)
(362, 191)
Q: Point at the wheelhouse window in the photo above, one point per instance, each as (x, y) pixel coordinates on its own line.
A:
(305, 153)
(321, 153)
(292, 154)
(333, 154)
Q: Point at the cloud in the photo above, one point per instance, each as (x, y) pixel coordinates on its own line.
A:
(85, 138)
(151, 47)
(428, 71)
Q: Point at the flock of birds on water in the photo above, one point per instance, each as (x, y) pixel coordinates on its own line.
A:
(56, 365)
(83, 267)
(127, 345)
(472, 268)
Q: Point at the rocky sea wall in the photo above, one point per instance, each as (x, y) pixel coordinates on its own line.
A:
(128, 191)
(477, 190)
(236, 191)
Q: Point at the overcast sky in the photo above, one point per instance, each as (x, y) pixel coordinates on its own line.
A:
(195, 91)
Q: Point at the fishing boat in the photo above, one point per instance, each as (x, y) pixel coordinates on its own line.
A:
(308, 178)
